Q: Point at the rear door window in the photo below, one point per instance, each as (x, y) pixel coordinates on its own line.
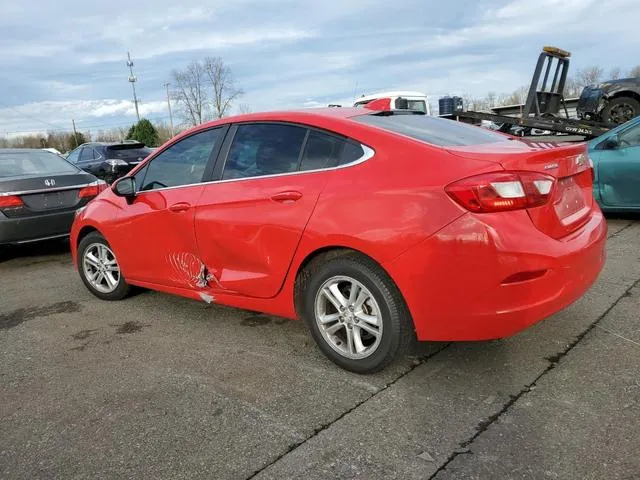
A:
(86, 155)
(436, 131)
(351, 152)
(264, 149)
(321, 151)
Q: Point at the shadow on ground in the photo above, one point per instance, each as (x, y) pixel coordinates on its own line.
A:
(32, 250)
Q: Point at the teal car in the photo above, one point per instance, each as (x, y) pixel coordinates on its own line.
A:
(616, 159)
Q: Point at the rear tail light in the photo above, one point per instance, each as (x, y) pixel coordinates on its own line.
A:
(502, 191)
(10, 201)
(93, 190)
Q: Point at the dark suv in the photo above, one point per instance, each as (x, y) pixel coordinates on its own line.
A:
(109, 161)
(613, 101)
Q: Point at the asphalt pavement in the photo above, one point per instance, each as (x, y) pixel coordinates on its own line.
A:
(158, 386)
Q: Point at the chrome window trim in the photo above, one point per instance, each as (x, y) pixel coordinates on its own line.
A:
(368, 154)
(46, 190)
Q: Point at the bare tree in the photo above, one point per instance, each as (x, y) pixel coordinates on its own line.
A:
(517, 97)
(112, 135)
(222, 84)
(572, 87)
(190, 92)
(589, 76)
(614, 74)
(491, 99)
(635, 71)
(244, 108)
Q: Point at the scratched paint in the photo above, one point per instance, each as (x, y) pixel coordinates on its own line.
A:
(188, 269)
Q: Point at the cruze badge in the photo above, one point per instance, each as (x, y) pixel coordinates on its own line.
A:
(50, 182)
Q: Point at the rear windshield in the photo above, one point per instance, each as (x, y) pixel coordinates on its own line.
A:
(126, 152)
(30, 162)
(437, 131)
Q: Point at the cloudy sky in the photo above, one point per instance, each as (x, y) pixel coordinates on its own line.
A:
(67, 59)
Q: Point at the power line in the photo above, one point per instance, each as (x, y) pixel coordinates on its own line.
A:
(28, 116)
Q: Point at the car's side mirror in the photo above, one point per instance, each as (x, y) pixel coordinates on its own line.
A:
(125, 187)
(611, 143)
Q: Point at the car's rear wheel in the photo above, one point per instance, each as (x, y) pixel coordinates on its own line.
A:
(620, 110)
(355, 312)
(99, 268)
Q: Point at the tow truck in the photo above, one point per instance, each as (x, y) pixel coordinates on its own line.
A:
(545, 101)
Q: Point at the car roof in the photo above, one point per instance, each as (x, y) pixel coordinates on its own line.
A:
(337, 113)
(108, 144)
(22, 150)
(282, 116)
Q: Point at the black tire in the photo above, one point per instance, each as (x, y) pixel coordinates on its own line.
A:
(620, 110)
(397, 326)
(122, 288)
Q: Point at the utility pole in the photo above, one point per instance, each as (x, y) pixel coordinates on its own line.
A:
(166, 86)
(133, 80)
(75, 134)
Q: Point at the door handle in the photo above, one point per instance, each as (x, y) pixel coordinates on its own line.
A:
(287, 197)
(180, 207)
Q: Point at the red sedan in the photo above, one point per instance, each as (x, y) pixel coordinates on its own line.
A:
(375, 227)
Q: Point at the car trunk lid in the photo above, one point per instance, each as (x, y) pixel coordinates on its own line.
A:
(39, 194)
(571, 200)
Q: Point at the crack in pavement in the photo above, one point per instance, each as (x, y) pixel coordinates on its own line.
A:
(553, 362)
(615, 234)
(421, 361)
(618, 335)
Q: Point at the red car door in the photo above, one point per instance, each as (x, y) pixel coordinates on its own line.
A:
(249, 223)
(154, 238)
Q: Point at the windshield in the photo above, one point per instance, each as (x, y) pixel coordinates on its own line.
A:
(131, 153)
(33, 162)
(419, 105)
(436, 131)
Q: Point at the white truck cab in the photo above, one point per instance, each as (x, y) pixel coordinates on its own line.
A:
(414, 100)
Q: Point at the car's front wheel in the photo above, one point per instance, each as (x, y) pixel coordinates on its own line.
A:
(355, 313)
(99, 268)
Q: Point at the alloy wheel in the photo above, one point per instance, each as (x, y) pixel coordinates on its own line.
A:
(101, 268)
(348, 317)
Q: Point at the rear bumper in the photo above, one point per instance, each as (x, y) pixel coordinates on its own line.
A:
(35, 228)
(110, 173)
(454, 282)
